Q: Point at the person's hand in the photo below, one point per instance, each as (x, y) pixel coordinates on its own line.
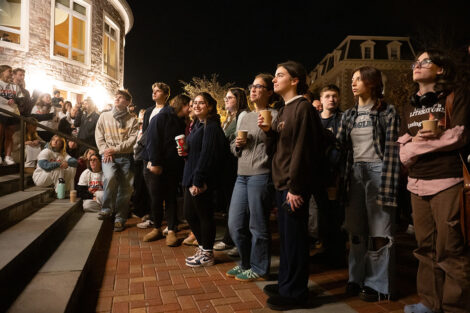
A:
(109, 152)
(29, 143)
(180, 151)
(107, 158)
(424, 135)
(194, 190)
(295, 201)
(265, 128)
(64, 165)
(90, 190)
(157, 170)
(240, 142)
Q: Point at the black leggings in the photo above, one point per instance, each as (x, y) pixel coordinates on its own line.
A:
(199, 213)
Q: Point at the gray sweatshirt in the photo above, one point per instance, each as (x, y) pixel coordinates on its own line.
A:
(252, 158)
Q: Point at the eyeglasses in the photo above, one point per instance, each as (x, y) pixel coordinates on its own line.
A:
(228, 98)
(257, 86)
(426, 63)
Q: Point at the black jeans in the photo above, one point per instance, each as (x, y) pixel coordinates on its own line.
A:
(162, 188)
(199, 213)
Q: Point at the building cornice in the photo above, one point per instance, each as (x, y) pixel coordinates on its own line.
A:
(126, 13)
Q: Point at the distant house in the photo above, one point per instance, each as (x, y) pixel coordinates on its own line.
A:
(75, 46)
(392, 55)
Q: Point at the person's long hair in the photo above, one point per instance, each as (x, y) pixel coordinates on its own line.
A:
(30, 134)
(211, 105)
(372, 79)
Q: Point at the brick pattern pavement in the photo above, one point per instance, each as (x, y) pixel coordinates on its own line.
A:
(151, 277)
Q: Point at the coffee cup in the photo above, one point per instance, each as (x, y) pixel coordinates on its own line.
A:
(181, 143)
(73, 195)
(266, 114)
(242, 134)
(430, 125)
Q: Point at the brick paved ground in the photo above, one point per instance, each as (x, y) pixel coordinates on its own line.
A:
(151, 277)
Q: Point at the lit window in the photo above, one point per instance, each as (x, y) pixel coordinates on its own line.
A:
(14, 23)
(70, 30)
(110, 49)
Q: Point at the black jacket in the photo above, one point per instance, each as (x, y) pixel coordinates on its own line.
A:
(160, 140)
(87, 129)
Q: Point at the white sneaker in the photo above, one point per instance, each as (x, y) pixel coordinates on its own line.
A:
(221, 246)
(165, 231)
(9, 160)
(146, 224)
(205, 258)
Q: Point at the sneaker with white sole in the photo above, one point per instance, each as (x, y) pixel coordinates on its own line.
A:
(221, 246)
(234, 271)
(205, 258)
(233, 252)
(196, 255)
(249, 275)
(146, 224)
(9, 160)
(165, 231)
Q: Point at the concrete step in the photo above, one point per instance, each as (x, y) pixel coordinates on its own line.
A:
(9, 169)
(57, 285)
(11, 183)
(16, 206)
(26, 245)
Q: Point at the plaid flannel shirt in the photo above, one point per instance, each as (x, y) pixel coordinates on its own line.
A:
(385, 134)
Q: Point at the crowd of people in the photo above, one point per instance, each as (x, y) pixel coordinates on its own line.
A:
(330, 175)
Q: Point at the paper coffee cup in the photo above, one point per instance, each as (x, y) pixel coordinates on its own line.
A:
(266, 114)
(73, 195)
(181, 143)
(242, 134)
(430, 125)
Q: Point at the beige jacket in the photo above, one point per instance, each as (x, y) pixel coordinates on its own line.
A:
(109, 135)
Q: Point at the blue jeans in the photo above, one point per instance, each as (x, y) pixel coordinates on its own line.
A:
(118, 179)
(248, 219)
(364, 220)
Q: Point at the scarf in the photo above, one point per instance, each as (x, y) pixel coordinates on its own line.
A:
(120, 116)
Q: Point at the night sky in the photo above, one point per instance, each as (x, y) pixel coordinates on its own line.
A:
(177, 40)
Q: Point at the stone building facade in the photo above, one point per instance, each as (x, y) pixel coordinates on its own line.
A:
(75, 46)
(391, 55)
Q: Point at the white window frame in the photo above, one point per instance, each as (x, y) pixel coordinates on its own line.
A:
(394, 45)
(108, 20)
(71, 12)
(24, 31)
(367, 44)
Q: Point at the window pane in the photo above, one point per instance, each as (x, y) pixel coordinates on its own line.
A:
(105, 52)
(64, 2)
(78, 56)
(78, 34)
(63, 52)
(10, 17)
(79, 8)
(112, 58)
(106, 28)
(61, 28)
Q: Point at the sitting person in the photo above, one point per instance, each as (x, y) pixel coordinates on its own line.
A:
(82, 163)
(55, 163)
(32, 147)
(90, 185)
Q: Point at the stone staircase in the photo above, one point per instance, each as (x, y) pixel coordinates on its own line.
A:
(50, 249)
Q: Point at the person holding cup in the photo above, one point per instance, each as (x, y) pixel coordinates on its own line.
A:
(208, 150)
(435, 182)
(163, 167)
(251, 199)
(295, 143)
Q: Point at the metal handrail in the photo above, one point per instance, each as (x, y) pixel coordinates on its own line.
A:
(30, 120)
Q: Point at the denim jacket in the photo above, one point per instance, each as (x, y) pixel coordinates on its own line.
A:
(385, 134)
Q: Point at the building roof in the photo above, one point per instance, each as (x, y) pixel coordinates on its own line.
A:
(126, 13)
